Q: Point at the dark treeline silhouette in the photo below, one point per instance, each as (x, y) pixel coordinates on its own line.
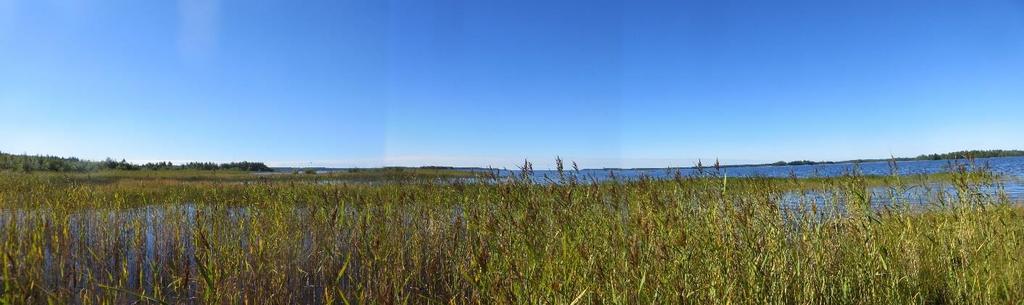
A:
(242, 166)
(972, 154)
(26, 163)
(801, 162)
(965, 154)
(44, 163)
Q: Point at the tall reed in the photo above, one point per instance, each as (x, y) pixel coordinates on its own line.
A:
(124, 239)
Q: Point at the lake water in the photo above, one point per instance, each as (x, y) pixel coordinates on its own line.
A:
(1008, 166)
(1011, 168)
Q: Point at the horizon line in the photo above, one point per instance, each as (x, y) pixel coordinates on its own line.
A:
(421, 161)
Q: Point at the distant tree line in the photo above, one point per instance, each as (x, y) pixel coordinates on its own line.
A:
(801, 162)
(26, 163)
(44, 163)
(972, 154)
(934, 157)
(241, 166)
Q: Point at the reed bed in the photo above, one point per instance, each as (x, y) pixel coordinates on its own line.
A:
(71, 239)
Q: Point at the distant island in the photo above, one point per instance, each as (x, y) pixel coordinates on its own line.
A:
(966, 154)
(28, 163)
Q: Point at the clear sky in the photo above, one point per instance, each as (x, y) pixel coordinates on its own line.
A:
(476, 83)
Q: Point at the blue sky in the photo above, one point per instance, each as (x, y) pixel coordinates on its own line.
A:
(476, 83)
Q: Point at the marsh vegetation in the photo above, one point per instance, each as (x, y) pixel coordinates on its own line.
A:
(421, 237)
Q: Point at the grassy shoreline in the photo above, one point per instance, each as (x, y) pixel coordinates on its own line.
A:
(233, 238)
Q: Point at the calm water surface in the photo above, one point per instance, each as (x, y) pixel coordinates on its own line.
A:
(1011, 168)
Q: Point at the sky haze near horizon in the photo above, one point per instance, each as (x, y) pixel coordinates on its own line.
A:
(490, 83)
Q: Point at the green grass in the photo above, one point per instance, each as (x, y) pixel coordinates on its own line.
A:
(229, 238)
(390, 175)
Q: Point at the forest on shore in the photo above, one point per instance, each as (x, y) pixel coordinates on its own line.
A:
(27, 163)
